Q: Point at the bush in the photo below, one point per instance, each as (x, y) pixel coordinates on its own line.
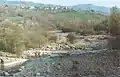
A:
(101, 27)
(78, 26)
(11, 39)
(87, 32)
(53, 38)
(64, 29)
(15, 39)
(71, 38)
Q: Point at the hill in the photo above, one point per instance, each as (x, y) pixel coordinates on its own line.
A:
(92, 7)
(77, 7)
(58, 12)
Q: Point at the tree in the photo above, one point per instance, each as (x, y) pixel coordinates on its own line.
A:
(114, 21)
(11, 38)
(114, 27)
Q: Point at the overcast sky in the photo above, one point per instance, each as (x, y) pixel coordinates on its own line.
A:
(107, 3)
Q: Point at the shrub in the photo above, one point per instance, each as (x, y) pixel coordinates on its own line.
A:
(11, 38)
(65, 29)
(71, 38)
(87, 32)
(101, 27)
(78, 26)
(53, 38)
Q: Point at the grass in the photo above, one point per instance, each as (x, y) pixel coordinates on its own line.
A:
(15, 19)
(76, 15)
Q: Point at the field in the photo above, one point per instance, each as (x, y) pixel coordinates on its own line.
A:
(77, 16)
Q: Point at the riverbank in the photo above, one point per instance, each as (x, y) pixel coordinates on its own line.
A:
(12, 62)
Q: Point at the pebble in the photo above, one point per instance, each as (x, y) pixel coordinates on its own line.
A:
(38, 74)
(20, 69)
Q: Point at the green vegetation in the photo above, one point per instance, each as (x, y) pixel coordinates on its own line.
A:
(24, 28)
(77, 15)
(81, 27)
(15, 39)
(11, 38)
(114, 21)
(21, 29)
(114, 28)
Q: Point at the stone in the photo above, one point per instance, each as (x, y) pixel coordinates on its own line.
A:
(20, 69)
(47, 75)
(6, 74)
(58, 66)
(38, 74)
(42, 76)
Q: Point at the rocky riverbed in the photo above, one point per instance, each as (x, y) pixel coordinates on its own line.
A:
(79, 65)
(79, 62)
(94, 42)
(50, 67)
(100, 63)
(83, 43)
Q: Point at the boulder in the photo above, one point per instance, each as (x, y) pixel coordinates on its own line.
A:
(6, 74)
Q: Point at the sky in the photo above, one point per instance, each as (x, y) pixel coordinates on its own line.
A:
(106, 3)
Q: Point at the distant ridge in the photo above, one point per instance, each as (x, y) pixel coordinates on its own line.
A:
(92, 7)
(79, 6)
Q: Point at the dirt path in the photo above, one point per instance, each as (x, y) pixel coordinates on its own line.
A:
(13, 62)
